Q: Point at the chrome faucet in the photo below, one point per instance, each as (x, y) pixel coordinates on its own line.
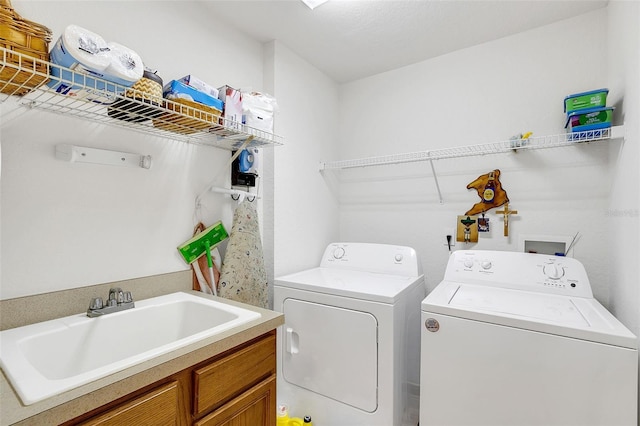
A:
(118, 301)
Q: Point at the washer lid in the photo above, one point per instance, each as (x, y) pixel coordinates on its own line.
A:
(363, 285)
(576, 317)
(537, 306)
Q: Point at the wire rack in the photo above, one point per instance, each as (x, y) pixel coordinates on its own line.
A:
(72, 93)
(540, 142)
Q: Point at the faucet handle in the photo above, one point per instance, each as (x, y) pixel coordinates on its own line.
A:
(127, 298)
(96, 303)
(113, 292)
(116, 294)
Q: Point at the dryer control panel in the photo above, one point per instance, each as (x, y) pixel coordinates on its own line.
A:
(522, 271)
(377, 258)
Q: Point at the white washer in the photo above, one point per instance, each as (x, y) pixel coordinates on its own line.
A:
(518, 339)
(349, 350)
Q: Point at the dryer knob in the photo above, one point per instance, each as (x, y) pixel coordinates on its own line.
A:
(338, 253)
(468, 263)
(399, 257)
(486, 264)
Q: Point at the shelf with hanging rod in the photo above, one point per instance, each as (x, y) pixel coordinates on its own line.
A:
(531, 143)
(512, 145)
(237, 194)
(30, 80)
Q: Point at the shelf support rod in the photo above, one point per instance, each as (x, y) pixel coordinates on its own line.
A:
(236, 192)
(435, 179)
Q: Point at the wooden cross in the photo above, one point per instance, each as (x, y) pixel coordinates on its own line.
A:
(506, 212)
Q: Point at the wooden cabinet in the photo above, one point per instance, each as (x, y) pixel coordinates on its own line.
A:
(157, 407)
(254, 407)
(229, 376)
(235, 388)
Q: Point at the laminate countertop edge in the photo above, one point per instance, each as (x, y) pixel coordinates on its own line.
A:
(75, 402)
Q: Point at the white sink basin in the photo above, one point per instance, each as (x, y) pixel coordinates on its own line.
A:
(45, 359)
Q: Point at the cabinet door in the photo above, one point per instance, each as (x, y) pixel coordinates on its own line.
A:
(230, 376)
(154, 408)
(256, 407)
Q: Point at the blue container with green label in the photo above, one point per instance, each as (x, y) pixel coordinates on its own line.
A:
(589, 119)
(585, 100)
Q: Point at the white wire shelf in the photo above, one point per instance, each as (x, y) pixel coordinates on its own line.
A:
(101, 101)
(534, 142)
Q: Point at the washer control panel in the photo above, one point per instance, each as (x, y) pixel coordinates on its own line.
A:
(523, 271)
(338, 253)
(378, 258)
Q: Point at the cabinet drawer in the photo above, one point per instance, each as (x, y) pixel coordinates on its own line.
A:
(256, 407)
(228, 377)
(156, 407)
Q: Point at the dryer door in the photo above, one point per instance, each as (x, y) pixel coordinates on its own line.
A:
(331, 351)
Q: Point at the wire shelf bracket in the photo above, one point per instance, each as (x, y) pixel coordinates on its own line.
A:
(435, 180)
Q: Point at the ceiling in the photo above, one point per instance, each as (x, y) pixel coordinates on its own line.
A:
(352, 39)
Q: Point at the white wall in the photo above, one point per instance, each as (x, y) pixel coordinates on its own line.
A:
(486, 93)
(72, 225)
(489, 93)
(306, 211)
(622, 216)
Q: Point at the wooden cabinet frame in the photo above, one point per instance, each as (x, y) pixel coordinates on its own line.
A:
(235, 387)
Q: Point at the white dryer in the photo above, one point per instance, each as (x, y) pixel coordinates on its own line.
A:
(518, 339)
(350, 346)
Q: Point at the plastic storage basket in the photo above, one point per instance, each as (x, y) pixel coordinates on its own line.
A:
(589, 119)
(585, 100)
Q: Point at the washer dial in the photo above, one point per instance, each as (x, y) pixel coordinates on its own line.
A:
(553, 271)
(486, 264)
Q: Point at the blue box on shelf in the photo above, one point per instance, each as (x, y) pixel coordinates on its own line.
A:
(589, 119)
(585, 100)
(177, 89)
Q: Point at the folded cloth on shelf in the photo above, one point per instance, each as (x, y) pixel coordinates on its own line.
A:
(243, 276)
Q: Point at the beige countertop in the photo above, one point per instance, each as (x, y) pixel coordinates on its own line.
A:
(75, 402)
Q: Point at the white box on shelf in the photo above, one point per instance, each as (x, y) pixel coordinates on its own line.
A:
(200, 85)
(232, 99)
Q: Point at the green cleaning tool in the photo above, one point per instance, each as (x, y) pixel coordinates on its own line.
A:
(202, 243)
(210, 265)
